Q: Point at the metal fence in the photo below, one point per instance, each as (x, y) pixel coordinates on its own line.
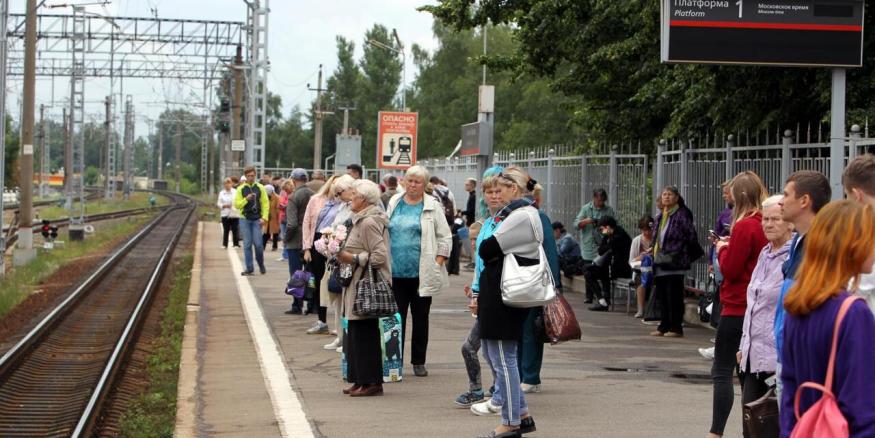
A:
(568, 179)
(700, 172)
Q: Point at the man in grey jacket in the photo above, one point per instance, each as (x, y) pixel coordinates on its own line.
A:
(295, 208)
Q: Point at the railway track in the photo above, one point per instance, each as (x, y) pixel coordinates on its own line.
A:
(92, 194)
(54, 380)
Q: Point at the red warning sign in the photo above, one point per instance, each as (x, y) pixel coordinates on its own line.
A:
(396, 139)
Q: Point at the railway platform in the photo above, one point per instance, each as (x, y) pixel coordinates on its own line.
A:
(250, 370)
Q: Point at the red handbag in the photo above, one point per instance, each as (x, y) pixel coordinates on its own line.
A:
(560, 324)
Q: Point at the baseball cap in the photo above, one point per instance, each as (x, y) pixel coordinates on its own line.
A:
(299, 174)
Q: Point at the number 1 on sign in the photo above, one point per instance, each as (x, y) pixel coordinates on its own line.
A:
(739, 3)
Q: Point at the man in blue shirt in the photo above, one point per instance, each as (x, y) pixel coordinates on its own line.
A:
(805, 193)
(569, 250)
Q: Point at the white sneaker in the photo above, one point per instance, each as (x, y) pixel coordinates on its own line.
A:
(530, 389)
(485, 408)
(707, 353)
(339, 350)
(282, 259)
(333, 344)
(639, 315)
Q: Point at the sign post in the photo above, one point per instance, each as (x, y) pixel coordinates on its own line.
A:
(809, 33)
(396, 139)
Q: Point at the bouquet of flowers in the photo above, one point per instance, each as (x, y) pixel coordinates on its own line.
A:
(331, 241)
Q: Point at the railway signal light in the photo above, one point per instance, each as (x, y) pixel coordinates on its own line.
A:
(46, 229)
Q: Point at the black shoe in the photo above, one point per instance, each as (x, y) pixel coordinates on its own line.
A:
(420, 371)
(598, 308)
(262, 270)
(510, 434)
(247, 273)
(587, 301)
(293, 312)
(527, 425)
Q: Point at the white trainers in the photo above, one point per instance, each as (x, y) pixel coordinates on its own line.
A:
(339, 350)
(530, 389)
(332, 345)
(485, 408)
(707, 353)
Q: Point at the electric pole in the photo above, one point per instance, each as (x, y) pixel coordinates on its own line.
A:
(25, 251)
(129, 147)
(160, 149)
(68, 158)
(346, 110)
(237, 105)
(178, 154)
(42, 148)
(107, 139)
(317, 141)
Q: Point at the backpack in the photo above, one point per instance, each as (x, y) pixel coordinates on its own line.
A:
(824, 419)
(443, 195)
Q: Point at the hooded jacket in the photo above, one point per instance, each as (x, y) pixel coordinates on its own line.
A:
(369, 239)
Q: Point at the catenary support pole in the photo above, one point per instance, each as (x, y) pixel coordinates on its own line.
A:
(25, 251)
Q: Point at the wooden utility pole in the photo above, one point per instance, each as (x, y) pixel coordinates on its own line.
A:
(317, 137)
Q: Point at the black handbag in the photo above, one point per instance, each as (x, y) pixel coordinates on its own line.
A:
(707, 299)
(340, 276)
(373, 296)
(653, 309)
(761, 416)
(666, 260)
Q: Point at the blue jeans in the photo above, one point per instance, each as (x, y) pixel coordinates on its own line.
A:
(294, 265)
(282, 237)
(251, 230)
(502, 357)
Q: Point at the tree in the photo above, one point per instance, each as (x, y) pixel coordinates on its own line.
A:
(604, 55)
(381, 70)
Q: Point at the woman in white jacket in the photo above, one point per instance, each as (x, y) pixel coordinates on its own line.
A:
(230, 216)
(420, 245)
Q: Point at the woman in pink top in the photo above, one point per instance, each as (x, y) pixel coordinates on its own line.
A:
(284, 200)
(310, 233)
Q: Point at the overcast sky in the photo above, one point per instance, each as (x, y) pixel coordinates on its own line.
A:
(302, 36)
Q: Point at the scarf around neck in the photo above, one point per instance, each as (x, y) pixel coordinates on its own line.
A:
(509, 208)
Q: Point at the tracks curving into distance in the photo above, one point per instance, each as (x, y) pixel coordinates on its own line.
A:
(53, 381)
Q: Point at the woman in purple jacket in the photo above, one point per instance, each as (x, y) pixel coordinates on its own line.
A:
(757, 351)
(839, 247)
(676, 247)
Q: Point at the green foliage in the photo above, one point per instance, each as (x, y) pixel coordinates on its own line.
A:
(153, 413)
(604, 56)
(91, 175)
(12, 141)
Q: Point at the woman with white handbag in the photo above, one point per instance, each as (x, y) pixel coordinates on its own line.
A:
(516, 277)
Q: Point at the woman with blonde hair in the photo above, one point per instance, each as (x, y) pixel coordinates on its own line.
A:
(420, 246)
(737, 255)
(519, 234)
(319, 214)
(839, 247)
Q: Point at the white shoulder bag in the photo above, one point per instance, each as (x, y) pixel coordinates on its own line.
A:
(528, 286)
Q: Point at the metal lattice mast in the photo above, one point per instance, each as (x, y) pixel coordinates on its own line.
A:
(77, 114)
(110, 150)
(257, 84)
(129, 146)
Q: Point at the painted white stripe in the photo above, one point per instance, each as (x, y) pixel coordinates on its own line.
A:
(286, 406)
(508, 398)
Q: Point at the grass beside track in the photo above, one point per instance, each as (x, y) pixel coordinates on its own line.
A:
(137, 200)
(153, 414)
(21, 281)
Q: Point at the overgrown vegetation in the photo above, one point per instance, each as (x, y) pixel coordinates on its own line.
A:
(97, 206)
(153, 413)
(21, 281)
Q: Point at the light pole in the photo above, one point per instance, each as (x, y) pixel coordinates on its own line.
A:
(398, 50)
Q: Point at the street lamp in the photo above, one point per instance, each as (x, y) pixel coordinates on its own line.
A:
(398, 50)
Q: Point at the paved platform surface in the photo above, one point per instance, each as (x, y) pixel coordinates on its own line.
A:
(616, 382)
